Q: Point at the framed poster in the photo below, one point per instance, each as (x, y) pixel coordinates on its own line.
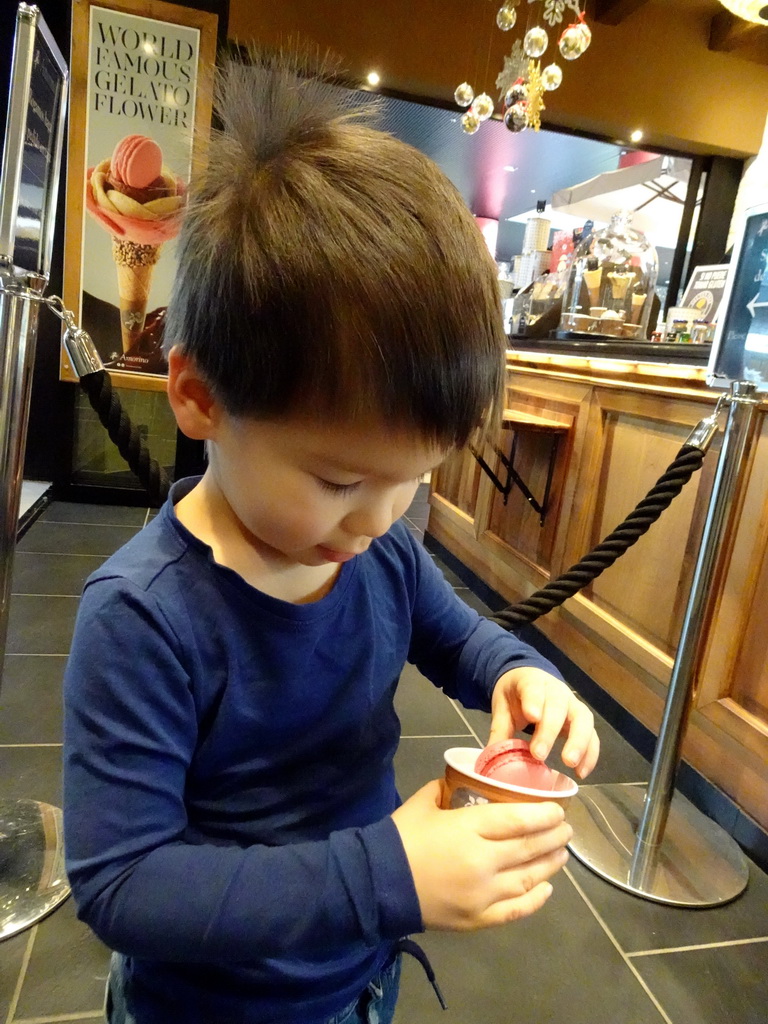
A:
(142, 77)
(704, 291)
(740, 348)
(29, 176)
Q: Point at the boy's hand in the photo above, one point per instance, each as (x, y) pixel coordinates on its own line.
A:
(480, 866)
(530, 695)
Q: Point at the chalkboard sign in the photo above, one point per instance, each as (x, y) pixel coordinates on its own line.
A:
(33, 140)
(740, 347)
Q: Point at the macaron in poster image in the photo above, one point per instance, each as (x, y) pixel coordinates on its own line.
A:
(142, 76)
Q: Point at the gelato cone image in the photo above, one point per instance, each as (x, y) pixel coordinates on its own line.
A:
(619, 284)
(592, 279)
(138, 200)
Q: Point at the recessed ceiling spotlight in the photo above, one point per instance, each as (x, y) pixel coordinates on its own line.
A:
(636, 135)
(533, 191)
(510, 168)
(373, 78)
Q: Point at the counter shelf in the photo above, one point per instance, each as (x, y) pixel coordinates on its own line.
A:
(563, 342)
(517, 421)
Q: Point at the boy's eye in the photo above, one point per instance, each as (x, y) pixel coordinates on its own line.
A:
(328, 485)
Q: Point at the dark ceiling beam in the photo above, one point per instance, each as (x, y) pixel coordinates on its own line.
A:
(743, 39)
(612, 12)
(728, 33)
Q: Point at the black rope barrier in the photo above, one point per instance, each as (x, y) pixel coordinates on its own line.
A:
(125, 435)
(588, 568)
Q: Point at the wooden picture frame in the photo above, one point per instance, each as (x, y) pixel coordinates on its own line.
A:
(141, 92)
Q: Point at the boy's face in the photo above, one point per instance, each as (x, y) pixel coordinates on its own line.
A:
(313, 493)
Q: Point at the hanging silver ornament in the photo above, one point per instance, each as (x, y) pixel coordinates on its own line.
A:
(572, 42)
(515, 94)
(515, 118)
(586, 34)
(506, 17)
(551, 77)
(464, 94)
(482, 107)
(536, 41)
(470, 122)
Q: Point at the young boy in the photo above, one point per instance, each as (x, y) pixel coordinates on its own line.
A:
(232, 824)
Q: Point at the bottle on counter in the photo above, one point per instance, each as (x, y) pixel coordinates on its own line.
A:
(699, 332)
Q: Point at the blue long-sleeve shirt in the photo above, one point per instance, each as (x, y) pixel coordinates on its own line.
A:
(228, 770)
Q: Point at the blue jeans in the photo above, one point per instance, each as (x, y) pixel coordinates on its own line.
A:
(376, 1005)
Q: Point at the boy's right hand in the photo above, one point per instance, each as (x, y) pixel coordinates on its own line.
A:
(475, 867)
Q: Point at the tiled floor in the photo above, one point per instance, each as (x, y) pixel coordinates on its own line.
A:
(593, 955)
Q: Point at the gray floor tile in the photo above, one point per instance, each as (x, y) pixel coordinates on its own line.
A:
(450, 575)
(479, 722)
(619, 762)
(711, 986)
(67, 970)
(41, 625)
(30, 699)
(105, 515)
(11, 958)
(417, 762)
(470, 598)
(419, 521)
(641, 924)
(423, 709)
(31, 773)
(417, 533)
(76, 537)
(48, 573)
(554, 967)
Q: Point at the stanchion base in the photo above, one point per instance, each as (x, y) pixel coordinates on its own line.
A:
(32, 878)
(697, 865)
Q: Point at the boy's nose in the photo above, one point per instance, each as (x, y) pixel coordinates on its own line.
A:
(372, 519)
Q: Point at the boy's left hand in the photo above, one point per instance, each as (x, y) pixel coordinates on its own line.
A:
(526, 696)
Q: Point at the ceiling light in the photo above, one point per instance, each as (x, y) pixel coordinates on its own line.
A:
(373, 78)
(509, 167)
(636, 135)
(750, 10)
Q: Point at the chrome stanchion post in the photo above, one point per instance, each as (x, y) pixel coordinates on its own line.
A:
(19, 307)
(32, 876)
(682, 689)
(650, 840)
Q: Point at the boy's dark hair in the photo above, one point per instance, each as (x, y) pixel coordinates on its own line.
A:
(327, 267)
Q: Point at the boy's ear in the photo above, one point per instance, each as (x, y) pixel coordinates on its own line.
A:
(196, 411)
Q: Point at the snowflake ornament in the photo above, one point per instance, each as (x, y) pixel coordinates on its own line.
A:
(535, 103)
(553, 11)
(515, 66)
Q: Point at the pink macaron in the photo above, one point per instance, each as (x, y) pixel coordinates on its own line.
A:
(511, 761)
(137, 161)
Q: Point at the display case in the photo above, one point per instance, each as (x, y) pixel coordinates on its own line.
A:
(610, 289)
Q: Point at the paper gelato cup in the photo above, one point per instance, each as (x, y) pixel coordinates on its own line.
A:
(464, 787)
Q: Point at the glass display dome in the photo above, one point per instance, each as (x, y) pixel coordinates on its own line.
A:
(611, 283)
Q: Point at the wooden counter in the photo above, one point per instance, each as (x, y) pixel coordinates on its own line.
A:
(621, 426)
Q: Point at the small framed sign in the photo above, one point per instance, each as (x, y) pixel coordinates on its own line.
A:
(740, 348)
(704, 292)
(29, 178)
